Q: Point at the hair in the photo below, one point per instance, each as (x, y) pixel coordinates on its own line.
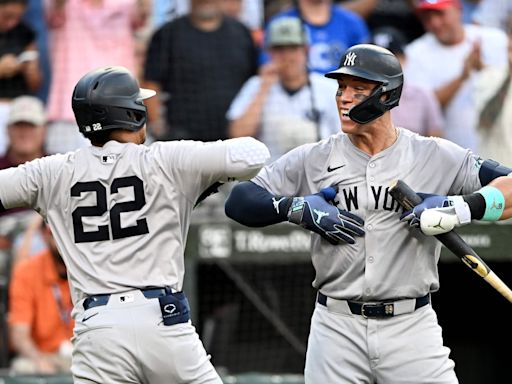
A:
(21, 2)
(98, 138)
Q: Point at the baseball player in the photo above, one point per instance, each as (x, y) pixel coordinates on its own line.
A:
(120, 213)
(373, 322)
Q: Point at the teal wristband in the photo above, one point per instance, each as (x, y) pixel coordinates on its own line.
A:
(494, 203)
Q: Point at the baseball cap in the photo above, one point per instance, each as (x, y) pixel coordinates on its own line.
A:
(423, 5)
(390, 38)
(27, 109)
(286, 31)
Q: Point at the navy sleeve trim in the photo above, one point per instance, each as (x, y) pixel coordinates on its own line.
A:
(491, 170)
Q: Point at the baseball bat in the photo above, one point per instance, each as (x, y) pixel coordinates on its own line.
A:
(408, 199)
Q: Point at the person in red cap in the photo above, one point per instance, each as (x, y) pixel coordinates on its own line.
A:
(449, 59)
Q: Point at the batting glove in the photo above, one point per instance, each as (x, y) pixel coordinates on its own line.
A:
(438, 214)
(316, 214)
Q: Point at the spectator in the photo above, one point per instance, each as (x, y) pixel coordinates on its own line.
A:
(285, 106)
(164, 11)
(448, 59)
(200, 60)
(39, 320)
(397, 14)
(419, 110)
(468, 9)
(26, 131)
(34, 17)
(362, 7)
(494, 13)
(331, 30)
(19, 68)
(85, 35)
(494, 97)
(249, 12)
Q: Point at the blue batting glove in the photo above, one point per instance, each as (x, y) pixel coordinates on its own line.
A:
(316, 214)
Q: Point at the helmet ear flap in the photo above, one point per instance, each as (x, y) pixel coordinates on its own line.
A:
(369, 109)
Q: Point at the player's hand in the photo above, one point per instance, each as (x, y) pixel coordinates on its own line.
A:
(438, 214)
(315, 213)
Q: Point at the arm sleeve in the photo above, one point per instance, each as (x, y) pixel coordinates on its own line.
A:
(253, 206)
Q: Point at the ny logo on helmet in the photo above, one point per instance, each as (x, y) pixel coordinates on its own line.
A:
(350, 58)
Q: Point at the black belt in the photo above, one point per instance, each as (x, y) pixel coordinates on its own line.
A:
(375, 310)
(149, 293)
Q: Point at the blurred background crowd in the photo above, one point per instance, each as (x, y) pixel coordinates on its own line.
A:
(223, 68)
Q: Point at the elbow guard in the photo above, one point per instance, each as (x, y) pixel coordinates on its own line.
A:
(491, 170)
(245, 156)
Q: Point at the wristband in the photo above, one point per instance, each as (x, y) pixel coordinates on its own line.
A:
(494, 203)
(461, 209)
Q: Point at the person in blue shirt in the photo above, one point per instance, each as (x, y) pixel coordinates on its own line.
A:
(331, 29)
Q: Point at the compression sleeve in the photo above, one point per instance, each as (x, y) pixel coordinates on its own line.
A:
(253, 206)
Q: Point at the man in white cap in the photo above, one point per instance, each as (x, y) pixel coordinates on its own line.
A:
(285, 106)
(26, 132)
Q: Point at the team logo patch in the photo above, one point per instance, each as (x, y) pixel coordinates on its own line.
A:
(350, 59)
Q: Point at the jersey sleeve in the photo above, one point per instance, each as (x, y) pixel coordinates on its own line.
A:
(284, 176)
(28, 185)
(466, 163)
(196, 165)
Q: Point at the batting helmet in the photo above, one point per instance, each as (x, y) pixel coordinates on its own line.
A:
(377, 64)
(109, 98)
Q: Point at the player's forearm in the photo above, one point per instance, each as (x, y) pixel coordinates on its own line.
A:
(493, 202)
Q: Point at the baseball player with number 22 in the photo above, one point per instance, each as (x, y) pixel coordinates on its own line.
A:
(373, 322)
(120, 213)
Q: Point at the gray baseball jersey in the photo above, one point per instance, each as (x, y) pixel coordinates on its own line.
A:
(139, 198)
(390, 261)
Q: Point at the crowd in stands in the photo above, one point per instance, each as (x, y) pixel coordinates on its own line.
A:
(224, 68)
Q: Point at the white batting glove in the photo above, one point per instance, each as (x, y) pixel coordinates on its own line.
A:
(438, 214)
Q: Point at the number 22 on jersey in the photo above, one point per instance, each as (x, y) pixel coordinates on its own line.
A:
(118, 232)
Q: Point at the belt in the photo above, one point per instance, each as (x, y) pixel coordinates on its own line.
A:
(388, 308)
(149, 293)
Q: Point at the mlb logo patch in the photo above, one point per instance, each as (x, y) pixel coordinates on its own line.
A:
(108, 159)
